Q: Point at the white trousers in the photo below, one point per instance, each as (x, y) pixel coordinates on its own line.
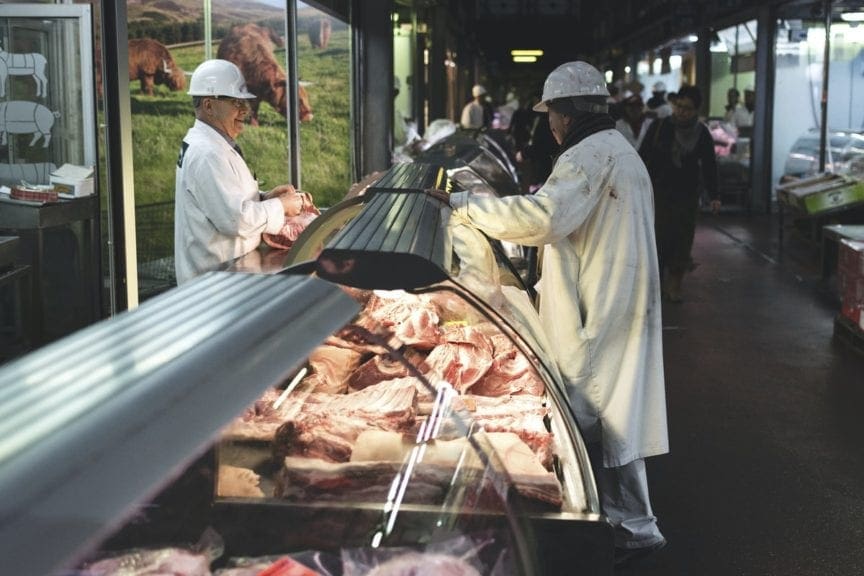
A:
(624, 500)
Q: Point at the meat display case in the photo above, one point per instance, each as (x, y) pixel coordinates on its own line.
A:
(376, 397)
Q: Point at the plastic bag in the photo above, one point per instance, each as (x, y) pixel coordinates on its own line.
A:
(483, 554)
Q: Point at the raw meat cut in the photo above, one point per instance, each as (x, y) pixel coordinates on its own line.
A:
(386, 367)
(463, 357)
(331, 366)
(291, 230)
(510, 372)
(327, 425)
(311, 479)
(524, 470)
(159, 562)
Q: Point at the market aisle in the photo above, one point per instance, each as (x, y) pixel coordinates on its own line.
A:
(766, 470)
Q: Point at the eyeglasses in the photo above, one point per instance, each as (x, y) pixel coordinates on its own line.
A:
(239, 103)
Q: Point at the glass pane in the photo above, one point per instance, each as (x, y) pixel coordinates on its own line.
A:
(732, 103)
(42, 122)
(324, 68)
(162, 56)
(799, 49)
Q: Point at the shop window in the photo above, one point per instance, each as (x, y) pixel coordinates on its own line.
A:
(800, 55)
(324, 71)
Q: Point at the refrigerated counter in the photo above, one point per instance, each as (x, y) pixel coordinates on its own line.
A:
(378, 397)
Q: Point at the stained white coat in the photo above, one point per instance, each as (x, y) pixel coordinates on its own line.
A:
(599, 288)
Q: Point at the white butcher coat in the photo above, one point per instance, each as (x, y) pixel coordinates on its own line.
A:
(599, 288)
(218, 213)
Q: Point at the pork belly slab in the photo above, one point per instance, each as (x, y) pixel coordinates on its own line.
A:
(525, 471)
(311, 479)
(327, 425)
(386, 406)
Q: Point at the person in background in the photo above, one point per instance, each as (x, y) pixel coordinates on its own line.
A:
(614, 99)
(737, 114)
(474, 114)
(679, 153)
(745, 127)
(599, 291)
(220, 214)
(658, 105)
(634, 122)
(504, 113)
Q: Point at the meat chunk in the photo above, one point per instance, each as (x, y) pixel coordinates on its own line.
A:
(463, 358)
(291, 230)
(327, 425)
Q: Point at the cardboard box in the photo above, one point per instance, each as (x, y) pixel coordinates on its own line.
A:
(822, 193)
(850, 258)
(854, 314)
(72, 181)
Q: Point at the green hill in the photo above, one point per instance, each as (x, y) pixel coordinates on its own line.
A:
(177, 11)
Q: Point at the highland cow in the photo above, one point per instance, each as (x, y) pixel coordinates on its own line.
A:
(251, 49)
(319, 33)
(151, 63)
(265, 32)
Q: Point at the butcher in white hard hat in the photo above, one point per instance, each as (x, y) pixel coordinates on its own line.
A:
(658, 104)
(220, 214)
(474, 114)
(599, 292)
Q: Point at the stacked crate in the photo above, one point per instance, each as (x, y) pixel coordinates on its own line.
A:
(850, 278)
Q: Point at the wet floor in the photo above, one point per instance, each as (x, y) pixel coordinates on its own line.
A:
(766, 414)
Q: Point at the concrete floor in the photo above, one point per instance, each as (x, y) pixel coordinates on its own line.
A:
(766, 470)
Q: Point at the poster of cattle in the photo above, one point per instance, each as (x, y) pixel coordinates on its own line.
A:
(166, 45)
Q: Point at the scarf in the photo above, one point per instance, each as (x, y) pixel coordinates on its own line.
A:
(584, 125)
(686, 136)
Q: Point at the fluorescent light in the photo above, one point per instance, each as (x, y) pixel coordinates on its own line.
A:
(853, 16)
(524, 58)
(526, 52)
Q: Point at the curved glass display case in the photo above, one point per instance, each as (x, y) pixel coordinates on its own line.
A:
(379, 399)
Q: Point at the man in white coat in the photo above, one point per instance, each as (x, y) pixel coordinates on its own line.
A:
(599, 292)
(219, 212)
(473, 114)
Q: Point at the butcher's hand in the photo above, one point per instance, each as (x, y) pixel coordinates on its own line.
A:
(279, 191)
(295, 203)
(439, 194)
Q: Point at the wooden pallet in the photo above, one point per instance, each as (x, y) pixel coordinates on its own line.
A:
(849, 333)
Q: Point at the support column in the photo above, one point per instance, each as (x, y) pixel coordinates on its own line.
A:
(373, 84)
(763, 119)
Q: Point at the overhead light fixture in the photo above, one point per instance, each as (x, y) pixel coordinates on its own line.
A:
(515, 53)
(524, 58)
(852, 16)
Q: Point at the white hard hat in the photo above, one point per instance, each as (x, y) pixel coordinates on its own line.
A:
(478, 90)
(659, 87)
(218, 78)
(572, 79)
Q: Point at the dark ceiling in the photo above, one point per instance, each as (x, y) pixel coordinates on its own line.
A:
(603, 30)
